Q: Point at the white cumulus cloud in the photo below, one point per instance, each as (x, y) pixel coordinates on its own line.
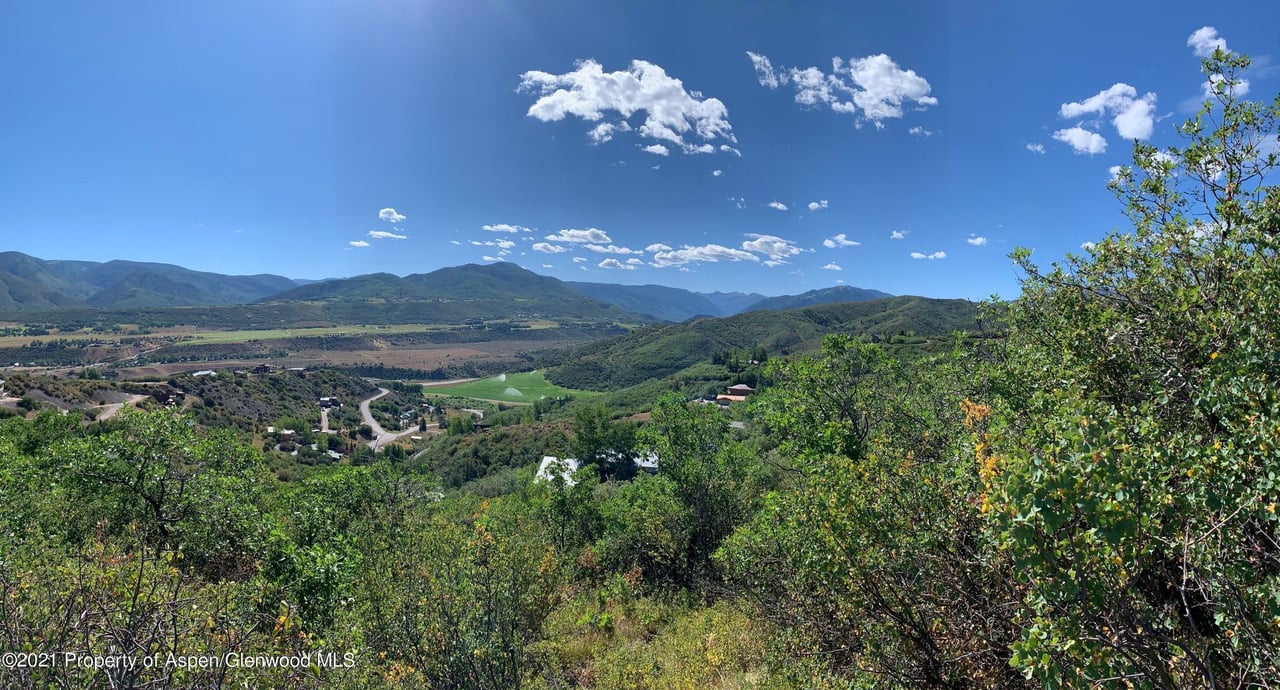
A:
(612, 249)
(578, 259)
(934, 255)
(707, 253)
(384, 235)
(872, 88)
(776, 248)
(1133, 117)
(358, 243)
(976, 240)
(1237, 88)
(593, 235)
(390, 215)
(833, 266)
(655, 149)
(778, 205)
(839, 241)
(547, 248)
(717, 173)
(1205, 40)
(898, 234)
(504, 227)
(615, 264)
(657, 247)
(671, 113)
(1081, 140)
(817, 205)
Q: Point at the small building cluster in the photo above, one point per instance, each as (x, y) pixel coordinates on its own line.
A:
(552, 467)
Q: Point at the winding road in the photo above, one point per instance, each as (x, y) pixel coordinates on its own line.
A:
(381, 436)
(113, 409)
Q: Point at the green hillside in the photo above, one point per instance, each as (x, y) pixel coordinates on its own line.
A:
(658, 351)
(31, 284)
(831, 295)
(657, 301)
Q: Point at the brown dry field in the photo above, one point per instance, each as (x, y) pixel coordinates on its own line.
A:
(424, 357)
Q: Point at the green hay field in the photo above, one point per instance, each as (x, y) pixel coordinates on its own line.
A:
(530, 386)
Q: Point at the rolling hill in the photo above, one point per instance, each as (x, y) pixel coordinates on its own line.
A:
(656, 301)
(831, 295)
(31, 284)
(657, 351)
(472, 291)
(676, 305)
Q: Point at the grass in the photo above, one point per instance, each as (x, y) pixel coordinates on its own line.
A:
(530, 386)
(223, 337)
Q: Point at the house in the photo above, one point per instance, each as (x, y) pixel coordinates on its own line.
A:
(736, 393)
(261, 369)
(647, 463)
(205, 372)
(330, 402)
(551, 466)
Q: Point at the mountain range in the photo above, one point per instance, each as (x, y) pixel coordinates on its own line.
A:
(29, 284)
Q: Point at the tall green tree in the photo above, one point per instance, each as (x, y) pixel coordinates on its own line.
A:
(1132, 472)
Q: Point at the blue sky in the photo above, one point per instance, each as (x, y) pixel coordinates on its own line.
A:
(247, 137)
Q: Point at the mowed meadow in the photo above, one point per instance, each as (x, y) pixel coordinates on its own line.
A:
(524, 387)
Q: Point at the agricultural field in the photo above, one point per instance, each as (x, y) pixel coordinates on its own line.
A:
(513, 388)
(240, 336)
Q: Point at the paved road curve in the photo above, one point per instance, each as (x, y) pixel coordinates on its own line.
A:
(381, 437)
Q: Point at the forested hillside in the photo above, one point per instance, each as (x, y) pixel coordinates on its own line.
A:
(661, 350)
(1089, 501)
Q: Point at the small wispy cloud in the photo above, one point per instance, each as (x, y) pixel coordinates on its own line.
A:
(611, 249)
(358, 243)
(817, 205)
(931, 257)
(656, 149)
(921, 132)
(898, 234)
(548, 248)
(505, 227)
(717, 173)
(390, 215)
(384, 235)
(593, 235)
(833, 266)
(657, 247)
(976, 240)
(777, 205)
(839, 241)
(616, 265)
(1036, 148)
